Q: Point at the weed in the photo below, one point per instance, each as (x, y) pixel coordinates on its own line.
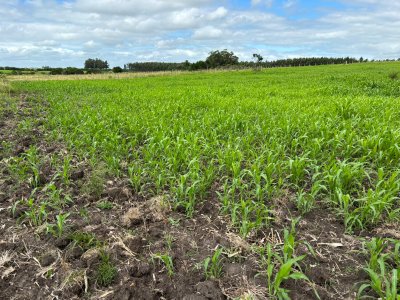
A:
(85, 240)
(106, 272)
(174, 222)
(95, 185)
(105, 205)
(169, 239)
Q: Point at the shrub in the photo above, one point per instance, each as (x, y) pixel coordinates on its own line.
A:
(117, 70)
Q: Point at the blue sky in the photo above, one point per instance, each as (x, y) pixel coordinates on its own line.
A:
(64, 33)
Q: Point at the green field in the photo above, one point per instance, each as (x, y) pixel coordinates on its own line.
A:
(266, 151)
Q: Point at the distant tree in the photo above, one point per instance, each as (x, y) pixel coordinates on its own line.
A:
(56, 71)
(117, 70)
(96, 64)
(258, 58)
(186, 65)
(221, 58)
(157, 66)
(361, 59)
(199, 65)
(72, 71)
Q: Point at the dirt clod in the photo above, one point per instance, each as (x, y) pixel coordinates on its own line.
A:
(194, 297)
(48, 258)
(140, 270)
(132, 217)
(91, 256)
(77, 175)
(210, 290)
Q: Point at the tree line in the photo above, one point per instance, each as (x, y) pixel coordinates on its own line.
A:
(225, 59)
(218, 59)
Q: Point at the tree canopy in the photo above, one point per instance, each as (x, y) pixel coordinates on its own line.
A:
(221, 58)
(96, 64)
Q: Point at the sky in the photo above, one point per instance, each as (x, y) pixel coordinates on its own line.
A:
(60, 33)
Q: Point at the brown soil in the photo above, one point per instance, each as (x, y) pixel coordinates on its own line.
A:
(39, 266)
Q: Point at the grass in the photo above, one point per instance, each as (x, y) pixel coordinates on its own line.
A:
(105, 205)
(85, 240)
(106, 272)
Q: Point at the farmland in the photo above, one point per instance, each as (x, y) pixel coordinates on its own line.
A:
(242, 184)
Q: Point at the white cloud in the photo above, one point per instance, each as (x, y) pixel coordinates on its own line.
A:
(46, 32)
(289, 3)
(208, 32)
(267, 3)
(220, 12)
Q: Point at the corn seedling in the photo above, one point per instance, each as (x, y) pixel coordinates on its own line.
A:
(166, 259)
(383, 270)
(212, 266)
(60, 226)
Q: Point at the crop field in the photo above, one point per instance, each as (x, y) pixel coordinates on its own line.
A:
(273, 184)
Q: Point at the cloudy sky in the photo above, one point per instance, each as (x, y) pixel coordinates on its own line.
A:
(65, 32)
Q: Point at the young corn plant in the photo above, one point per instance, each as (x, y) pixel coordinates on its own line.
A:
(137, 175)
(60, 226)
(383, 270)
(32, 157)
(212, 266)
(186, 193)
(281, 264)
(66, 169)
(35, 213)
(55, 197)
(166, 259)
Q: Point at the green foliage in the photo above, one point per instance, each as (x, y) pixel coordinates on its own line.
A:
(213, 265)
(313, 135)
(35, 213)
(383, 269)
(59, 227)
(96, 182)
(96, 64)
(33, 161)
(105, 205)
(66, 169)
(85, 240)
(117, 70)
(166, 259)
(281, 264)
(394, 75)
(106, 272)
(56, 197)
(221, 58)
